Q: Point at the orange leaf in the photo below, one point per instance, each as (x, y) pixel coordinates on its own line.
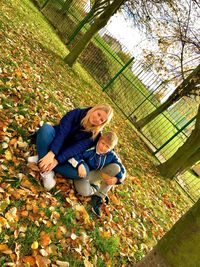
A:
(59, 233)
(114, 199)
(13, 142)
(42, 261)
(3, 247)
(24, 213)
(26, 183)
(29, 259)
(45, 240)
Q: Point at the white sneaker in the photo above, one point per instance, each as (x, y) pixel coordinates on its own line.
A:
(33, 159)
(48, 180)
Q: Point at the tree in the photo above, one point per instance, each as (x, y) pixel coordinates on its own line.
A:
(97, 9)
(98, 23)
(186, 156)
(189, 87)
(66, 6)
(180, 246)
(172, 29)
(172, 32)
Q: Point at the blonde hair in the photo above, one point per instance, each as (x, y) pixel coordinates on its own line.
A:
(95, 129)
(110, 138)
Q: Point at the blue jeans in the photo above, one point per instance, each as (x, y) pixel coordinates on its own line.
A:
(45, 137)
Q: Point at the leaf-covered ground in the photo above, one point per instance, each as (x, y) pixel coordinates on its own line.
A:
(38, 228)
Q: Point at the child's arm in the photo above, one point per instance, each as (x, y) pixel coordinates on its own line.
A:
(78, 162)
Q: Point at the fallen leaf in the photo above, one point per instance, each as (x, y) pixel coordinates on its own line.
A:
(114, 199)
(35, 245)
(4, 249)
(29, 259)
(73, 236)
(62, 263)
(45, 239)
(13, 142)
(8, 154)
(42, 261)
(87, 263)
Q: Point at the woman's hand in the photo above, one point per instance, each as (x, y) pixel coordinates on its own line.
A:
(82, 171)
(109, 180)
(48, 162)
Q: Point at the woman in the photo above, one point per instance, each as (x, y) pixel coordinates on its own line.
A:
(77, 131)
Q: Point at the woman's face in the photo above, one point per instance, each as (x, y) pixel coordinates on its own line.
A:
(98, 117)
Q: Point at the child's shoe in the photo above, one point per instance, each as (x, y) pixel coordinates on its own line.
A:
(96, 203)
(33, 159)
(95, 188)
(48, 180)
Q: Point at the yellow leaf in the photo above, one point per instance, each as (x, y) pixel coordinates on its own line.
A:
(105, 234)
(81, 209)
(87, 263)
(8, 154)
(34, 245)
(62, 263)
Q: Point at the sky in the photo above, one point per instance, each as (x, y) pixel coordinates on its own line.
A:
(123, 31)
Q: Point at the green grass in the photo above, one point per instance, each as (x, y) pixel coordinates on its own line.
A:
(49, 90)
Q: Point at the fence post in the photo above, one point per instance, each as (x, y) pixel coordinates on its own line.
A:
(171, 138)
(44, 4)
(145, 100)
(117, 74)
(80, 26)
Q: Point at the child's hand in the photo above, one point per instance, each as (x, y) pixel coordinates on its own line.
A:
(82, 171)
(109, 180)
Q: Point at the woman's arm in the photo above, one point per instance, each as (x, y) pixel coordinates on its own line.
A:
(75, 149)
(64, 129)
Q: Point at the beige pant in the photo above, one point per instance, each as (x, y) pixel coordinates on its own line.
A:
(84, 188)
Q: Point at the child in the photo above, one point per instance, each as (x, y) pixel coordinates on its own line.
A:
(98, 164)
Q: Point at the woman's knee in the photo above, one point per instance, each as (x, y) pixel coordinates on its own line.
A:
(46, 131)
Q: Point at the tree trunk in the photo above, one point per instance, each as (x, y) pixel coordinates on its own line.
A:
(95, 27)
(186, 88)
(186, 156)
(66, 6)
(190, 161)
(80, 26)
(141, 123)
(180, 246)
(44, 4)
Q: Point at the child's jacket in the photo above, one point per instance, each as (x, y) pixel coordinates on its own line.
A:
(97, 161)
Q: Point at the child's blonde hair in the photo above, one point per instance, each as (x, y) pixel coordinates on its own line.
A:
(110, 138)
(93, 128)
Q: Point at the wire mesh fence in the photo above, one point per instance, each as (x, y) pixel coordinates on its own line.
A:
(131, 84)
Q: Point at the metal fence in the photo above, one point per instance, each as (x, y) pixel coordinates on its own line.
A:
(131, 84)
